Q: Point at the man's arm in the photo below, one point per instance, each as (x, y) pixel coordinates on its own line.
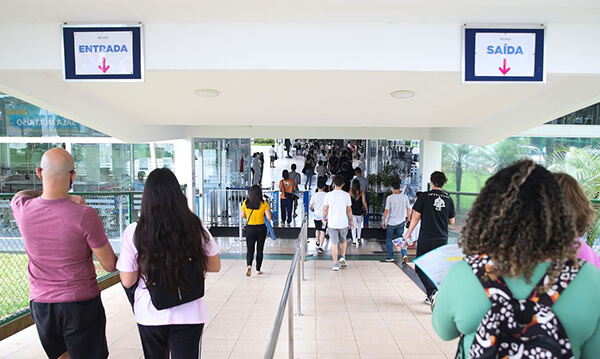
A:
(28, 193)
(36, 193)
(385, 215)
(106, 257)
(451, 221)
(325, 210)
(349, 211)
(416, 217)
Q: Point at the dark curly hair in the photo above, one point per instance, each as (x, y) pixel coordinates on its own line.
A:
(519, 220)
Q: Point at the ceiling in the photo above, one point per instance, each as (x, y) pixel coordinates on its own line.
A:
(315, 68)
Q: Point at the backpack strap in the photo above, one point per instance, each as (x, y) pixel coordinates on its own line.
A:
(567, 274)
(480, 265)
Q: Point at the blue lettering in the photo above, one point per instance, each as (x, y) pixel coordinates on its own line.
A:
(504, 50)
(105, 48)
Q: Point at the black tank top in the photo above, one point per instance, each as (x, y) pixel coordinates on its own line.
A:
(358, 209)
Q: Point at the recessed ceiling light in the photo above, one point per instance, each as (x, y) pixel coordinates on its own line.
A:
(207, 92)
(402, 94)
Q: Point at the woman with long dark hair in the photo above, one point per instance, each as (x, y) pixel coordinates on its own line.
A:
(359, 209)
(168, 251)
(255, 209)
(519, 243)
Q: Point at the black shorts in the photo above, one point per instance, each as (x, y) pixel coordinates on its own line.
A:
(76, 327)
(319, 225)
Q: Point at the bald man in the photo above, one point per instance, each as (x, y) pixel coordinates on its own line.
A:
(60, 234)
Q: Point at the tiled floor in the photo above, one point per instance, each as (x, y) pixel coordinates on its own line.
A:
(231, 245)
(369, 310)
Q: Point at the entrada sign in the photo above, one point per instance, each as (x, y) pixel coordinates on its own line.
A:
(103, 52)
(503, 54)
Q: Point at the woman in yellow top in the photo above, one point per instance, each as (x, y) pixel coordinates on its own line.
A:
(255, 209)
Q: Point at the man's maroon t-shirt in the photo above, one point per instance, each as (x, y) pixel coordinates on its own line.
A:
(59, 235)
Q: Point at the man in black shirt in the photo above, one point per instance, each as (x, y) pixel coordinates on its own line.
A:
(436, 211)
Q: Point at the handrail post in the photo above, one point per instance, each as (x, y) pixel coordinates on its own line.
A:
(130, 197)
(291, 325)
(120, 200)
(303, 240)
(240, 224)
(299, 288)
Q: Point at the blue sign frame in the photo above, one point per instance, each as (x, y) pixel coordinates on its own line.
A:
(469, 55)
(69, 52)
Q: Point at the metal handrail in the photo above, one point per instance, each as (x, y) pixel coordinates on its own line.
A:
(287, 299)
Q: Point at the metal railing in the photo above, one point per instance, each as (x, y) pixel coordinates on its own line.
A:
(116, 210)
(287, 300)
(221, 207)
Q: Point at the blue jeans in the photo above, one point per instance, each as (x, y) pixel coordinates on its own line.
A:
(309, 174)
(392, 232)
(286, 210)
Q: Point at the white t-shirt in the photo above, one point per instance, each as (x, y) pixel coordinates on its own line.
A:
(396, 204)
(317, 201)
(272, 151)
(337, 213)
(193, 312)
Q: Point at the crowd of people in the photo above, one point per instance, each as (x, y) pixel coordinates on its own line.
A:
(529, 286)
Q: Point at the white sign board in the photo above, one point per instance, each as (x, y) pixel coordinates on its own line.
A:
(103, 52)
(504, 54)
(98, 53)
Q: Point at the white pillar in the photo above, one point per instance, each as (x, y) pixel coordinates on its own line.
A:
(430, 156)
(184, 168)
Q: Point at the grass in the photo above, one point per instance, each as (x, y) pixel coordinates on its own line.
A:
(469, 181)
(14, 295)
(14, 283)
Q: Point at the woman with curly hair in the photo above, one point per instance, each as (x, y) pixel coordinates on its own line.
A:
(583, 212)
(519, 231)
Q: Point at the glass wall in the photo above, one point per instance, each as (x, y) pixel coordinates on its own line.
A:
(221, 164)
(18, 162)
(22, 119)
(587, 116)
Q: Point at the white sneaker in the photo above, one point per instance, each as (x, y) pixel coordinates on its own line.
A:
(342, 262)
(336, 267)
(389, 259)
(404, 259)
(320, 250)
(354, 242)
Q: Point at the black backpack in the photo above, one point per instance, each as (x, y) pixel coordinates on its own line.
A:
(520, 328)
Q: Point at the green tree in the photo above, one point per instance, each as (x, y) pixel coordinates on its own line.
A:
(504, 153)
(581, 163)
(456, 156)
(584, 165)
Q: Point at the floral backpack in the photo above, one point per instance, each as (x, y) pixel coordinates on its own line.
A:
(520, 328)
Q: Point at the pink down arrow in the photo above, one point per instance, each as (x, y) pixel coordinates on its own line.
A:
(504, 69)
(105, 68)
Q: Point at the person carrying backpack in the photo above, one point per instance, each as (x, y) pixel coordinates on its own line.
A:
(286, 187)
(521, 292)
